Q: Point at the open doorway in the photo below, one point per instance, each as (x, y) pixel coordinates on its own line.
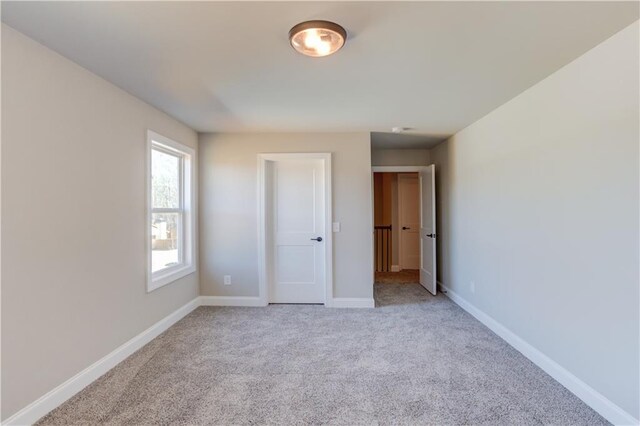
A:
(397, 223)
(404, 226)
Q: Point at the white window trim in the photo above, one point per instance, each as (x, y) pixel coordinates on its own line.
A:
(188, 181)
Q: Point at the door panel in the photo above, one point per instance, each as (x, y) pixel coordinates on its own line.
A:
(295, 196)
(293, 264)
(409, 220)
(298, 217)
(428, 229)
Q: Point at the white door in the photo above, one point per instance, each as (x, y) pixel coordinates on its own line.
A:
(298, 230)
(409, 220)
(428, 229)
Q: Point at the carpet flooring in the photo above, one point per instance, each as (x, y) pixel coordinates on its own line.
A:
(406, 276)
(415, 359)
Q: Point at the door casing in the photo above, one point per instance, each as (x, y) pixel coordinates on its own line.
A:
(263, 235)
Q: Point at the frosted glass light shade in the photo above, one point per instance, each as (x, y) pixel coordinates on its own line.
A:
(317, 38)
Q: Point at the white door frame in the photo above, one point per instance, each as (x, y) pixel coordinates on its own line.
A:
(263, 241)
(393, 169)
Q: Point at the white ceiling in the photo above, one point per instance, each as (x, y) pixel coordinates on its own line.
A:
(435, 67)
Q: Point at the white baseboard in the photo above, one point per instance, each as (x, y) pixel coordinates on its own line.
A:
(352, 302)
(231, 301)
(594, 399)
(52, 399)
(395, 268)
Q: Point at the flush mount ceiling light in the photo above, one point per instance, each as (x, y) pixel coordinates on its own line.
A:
(317, 38)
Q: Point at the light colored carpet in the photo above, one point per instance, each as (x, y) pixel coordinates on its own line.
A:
(416, 359)
(406, 276)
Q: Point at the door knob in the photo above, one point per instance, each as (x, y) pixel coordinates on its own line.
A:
(431, 235)
(405, 228)
(317, 239)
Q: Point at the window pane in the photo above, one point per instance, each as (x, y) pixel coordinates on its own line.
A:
(165, 180)
(165, 229)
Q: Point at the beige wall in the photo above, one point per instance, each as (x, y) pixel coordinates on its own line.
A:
(538, 204)
(228, 208)
(73, 220)
(400, 157)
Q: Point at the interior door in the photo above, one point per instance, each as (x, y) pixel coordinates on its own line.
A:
(298, 224)
(409, 215)
(428, 229)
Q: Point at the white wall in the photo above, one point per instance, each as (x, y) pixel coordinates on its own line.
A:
(538, 204)
(73, 220)
(400, 157)
(228, 208)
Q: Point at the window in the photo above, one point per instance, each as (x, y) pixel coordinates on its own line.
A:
(171, 211)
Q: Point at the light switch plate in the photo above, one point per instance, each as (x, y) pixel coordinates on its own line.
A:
(336, 226)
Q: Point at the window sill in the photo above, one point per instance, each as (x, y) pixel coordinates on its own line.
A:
(164, 278)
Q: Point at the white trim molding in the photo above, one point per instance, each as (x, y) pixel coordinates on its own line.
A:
(54, 398)
(231, 301)
(594, 399)
(248, 301)
(353, 302)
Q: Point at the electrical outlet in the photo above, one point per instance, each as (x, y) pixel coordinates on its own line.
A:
(472, 286)
(336, 226)
(227, 280)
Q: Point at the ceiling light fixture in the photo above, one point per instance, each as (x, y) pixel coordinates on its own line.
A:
(317, 38)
